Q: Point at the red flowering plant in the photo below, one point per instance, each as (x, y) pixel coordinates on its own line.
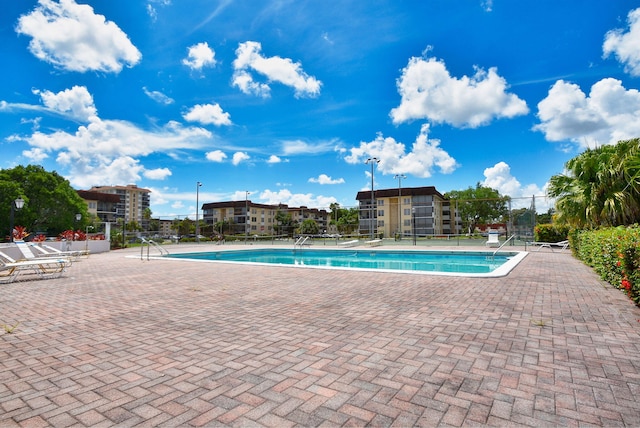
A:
(72, 235)
(20, 232)
(614, 254)
(630, 264)
(67, 235)
(39, 238)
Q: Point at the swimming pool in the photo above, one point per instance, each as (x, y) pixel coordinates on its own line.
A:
(454, 263)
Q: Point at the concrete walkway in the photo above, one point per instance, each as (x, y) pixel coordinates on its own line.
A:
(120, 341)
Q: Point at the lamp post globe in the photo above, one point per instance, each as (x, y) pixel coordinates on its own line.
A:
(16, 204)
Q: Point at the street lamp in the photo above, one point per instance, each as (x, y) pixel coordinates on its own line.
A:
(198, 184)
(413, 223)
(399, 177)
(372, 161)
(246, 211)
(75, 226)
(15, 205)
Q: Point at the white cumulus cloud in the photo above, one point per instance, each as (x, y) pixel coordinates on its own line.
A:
(76, 103)
(609, 113)
(429, 92)
(102, 151)
(275, 69)
(157, 174)
(325, 179)
(499, 177)
(208, 114)
(72, 37)
(284, 196)
(216, 156)
(199, 56)
(239, 157)
(625, 46)
(421, 160)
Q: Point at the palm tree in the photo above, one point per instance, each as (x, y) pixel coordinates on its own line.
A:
(598, 188)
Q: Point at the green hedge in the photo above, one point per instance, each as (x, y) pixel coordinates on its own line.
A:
(550, 233)
(614, 254)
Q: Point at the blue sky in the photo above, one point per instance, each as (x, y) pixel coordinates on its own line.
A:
(287, 99)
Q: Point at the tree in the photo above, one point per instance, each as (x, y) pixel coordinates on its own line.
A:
(345, 219)
(309, 227)
(146, 219)
(51, 204)
(600, 187)
(479, 205)
(154, 224)
(222, 226)
(348, 221)
(284, 222)
(185, 226)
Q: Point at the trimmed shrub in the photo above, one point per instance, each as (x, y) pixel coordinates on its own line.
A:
(550, 233)
(614, 254)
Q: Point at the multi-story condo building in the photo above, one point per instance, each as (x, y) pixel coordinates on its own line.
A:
(102, 205)
(422, 211)
(133, 203)
(246, 217)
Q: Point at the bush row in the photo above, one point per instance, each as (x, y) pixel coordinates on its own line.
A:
(614, 254)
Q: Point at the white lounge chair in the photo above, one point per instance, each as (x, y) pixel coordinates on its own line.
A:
(352, 243)
(562, 245)
(41, 250)
(11, 269)
(29, 255)
(492, 240)
(73, 253)
(374, 242)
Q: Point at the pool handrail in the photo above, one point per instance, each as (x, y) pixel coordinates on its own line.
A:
(503, 244)
(149, 243)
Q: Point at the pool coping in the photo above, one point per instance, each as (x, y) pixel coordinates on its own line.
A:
(502, 270)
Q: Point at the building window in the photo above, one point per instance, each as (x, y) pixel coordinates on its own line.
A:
(380, 223)
(380, 213)
(407, 211)
(380, 202)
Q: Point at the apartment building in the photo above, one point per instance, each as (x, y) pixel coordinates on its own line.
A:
(133, 203)
(246, 217)
(101, 205)
(422, 211)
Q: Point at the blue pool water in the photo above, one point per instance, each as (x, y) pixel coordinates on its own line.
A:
(442, 262)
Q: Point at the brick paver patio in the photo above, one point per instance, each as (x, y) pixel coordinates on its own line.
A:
(120, 341)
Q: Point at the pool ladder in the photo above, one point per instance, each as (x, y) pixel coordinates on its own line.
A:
(148, 243)
(301, 241)
(503, 244)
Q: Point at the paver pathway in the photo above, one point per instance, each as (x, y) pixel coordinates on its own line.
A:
(120, 341)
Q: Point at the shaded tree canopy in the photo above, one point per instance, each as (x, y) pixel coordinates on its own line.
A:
(51, 204)
(479, 205)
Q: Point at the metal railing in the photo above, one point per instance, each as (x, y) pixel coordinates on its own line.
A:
(148, 243)
(301, 241)
(503, 244)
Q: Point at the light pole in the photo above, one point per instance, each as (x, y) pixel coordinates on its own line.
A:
(413, 223)
(75, 226)
(246, 211)
(17, 204)
(399, 177)
(372, 161)
(198, 184)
